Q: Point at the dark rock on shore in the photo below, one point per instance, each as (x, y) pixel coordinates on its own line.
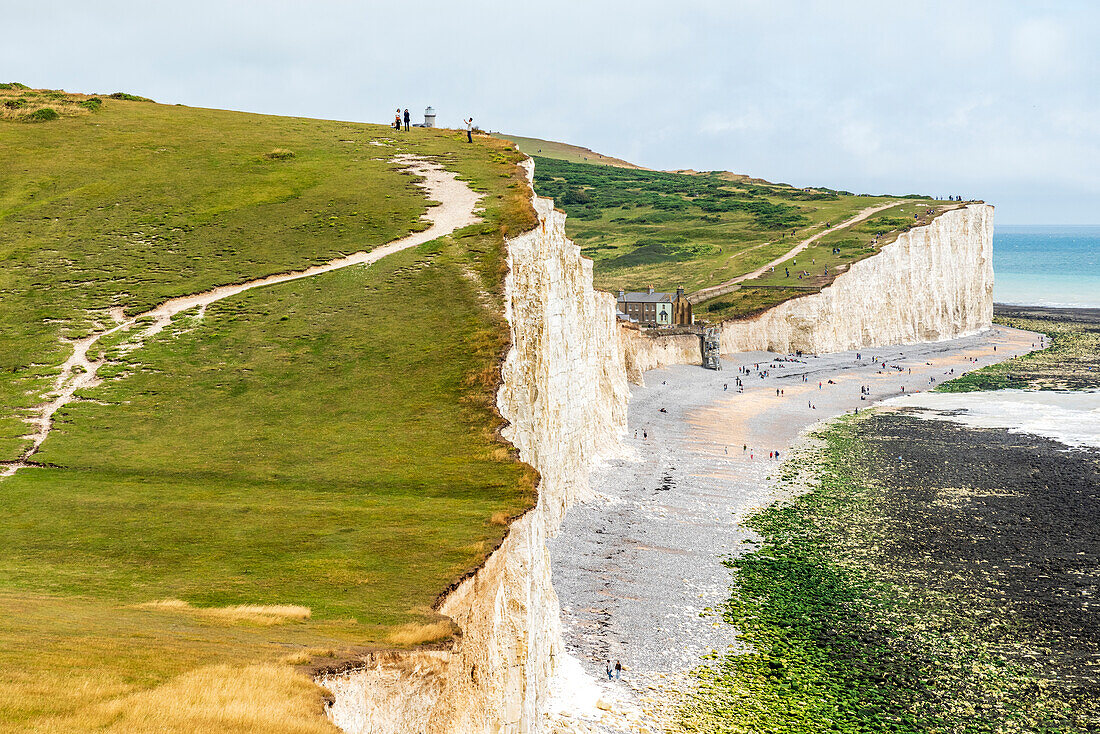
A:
(1071, 360)
(1007, 524)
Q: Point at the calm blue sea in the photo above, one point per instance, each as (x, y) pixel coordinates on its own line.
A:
(1046, 266)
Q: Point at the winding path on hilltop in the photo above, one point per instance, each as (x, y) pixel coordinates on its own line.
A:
(455, 210)
(717, 290)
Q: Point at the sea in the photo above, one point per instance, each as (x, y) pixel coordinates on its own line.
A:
(1047, 265)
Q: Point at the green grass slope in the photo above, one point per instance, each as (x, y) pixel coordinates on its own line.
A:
(563, 151)
(327, 444)
(699, 230)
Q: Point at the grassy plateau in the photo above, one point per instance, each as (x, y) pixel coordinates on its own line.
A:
(291, 477)
(664, 229)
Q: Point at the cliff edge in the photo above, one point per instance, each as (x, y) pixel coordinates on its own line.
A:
(564, 394)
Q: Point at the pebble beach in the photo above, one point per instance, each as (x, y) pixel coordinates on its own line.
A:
(638, 567)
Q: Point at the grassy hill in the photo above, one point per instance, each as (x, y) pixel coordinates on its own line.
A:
(698, 230)
(297, 474)
(563, 151)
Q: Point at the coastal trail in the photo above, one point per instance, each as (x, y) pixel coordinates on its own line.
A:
(456, 209)
(722, 288)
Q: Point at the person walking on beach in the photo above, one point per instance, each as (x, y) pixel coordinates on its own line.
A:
(618, 670)
(406, 120)
(469, 130)
(608, 668)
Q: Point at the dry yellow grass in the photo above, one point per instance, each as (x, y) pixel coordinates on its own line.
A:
(418, 634)
(306, 656)
(224, 699)
(20, 104)
(279, 154)
(254, 613)
(499, 518)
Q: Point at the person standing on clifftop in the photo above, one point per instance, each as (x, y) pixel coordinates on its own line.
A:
(469, 130)
(406, 120)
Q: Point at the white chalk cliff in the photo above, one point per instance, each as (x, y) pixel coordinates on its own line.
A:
(564, 395)
(932, 283)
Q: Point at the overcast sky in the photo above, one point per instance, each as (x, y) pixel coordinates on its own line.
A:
(996, 100)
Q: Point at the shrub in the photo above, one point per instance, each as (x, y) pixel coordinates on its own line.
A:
(14, 104)
(44, 114)
(13, 85)
(279, 154)
(129, 97)
(92, 103)
(576, 196)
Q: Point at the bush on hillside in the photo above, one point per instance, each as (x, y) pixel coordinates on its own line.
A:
(44, 114)
(279, 154)
(576, 196)
(14, 104)
(92, 104)
(13, 85)
(129, 97)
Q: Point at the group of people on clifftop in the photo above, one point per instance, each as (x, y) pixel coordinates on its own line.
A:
(404, 117)
(399, 117)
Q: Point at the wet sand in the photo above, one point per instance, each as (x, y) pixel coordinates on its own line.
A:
(635, 567)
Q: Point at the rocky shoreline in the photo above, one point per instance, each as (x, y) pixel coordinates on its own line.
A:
(1070, 363)
(938, 578)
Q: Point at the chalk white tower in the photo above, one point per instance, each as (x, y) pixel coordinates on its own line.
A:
(429, 117)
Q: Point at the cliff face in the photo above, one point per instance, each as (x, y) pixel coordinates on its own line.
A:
(642, 353)
(934, 282)
(564, 394)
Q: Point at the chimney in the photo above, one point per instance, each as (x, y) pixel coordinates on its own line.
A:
(679, 292)
(651, 290)
(622, 295)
